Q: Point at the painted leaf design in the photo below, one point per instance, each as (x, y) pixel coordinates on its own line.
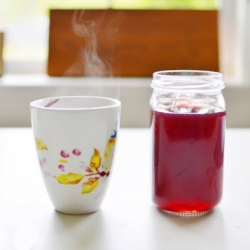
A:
(96, 159)
(40, 145)
(109, 153)
(70, 178)
(90, 185)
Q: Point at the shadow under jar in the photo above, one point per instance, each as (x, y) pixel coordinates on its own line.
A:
(188, 131)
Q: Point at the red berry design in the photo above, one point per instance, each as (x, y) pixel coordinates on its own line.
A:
(61, 167)
(76, 152)
(64, 154)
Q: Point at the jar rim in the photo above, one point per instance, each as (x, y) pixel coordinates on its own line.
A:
(187, 80)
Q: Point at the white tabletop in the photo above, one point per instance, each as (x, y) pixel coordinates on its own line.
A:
(127, 219)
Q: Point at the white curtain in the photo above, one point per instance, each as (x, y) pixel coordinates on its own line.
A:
(234, 40)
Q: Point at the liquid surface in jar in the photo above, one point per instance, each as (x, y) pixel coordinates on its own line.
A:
(188, 152)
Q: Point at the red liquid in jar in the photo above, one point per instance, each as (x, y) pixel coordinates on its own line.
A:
(188, 160)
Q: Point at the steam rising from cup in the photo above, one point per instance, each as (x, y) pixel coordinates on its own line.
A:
(90, 61)
(92, 32)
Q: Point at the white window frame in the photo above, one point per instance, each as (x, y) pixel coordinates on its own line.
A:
(234, 40)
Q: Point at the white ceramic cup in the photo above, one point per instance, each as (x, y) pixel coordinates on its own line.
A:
(75, 138)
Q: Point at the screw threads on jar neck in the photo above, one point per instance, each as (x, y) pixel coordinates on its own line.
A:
(195, 81)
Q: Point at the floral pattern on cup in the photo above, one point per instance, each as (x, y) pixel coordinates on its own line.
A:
(96, 169)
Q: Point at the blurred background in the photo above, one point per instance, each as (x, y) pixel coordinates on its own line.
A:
(25, 25)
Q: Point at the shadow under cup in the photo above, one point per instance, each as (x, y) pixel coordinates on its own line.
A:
(75, 141)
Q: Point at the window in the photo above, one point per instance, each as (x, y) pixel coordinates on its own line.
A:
(235, 40)
(25, 24)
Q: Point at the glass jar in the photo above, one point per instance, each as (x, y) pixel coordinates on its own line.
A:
(188, 131)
